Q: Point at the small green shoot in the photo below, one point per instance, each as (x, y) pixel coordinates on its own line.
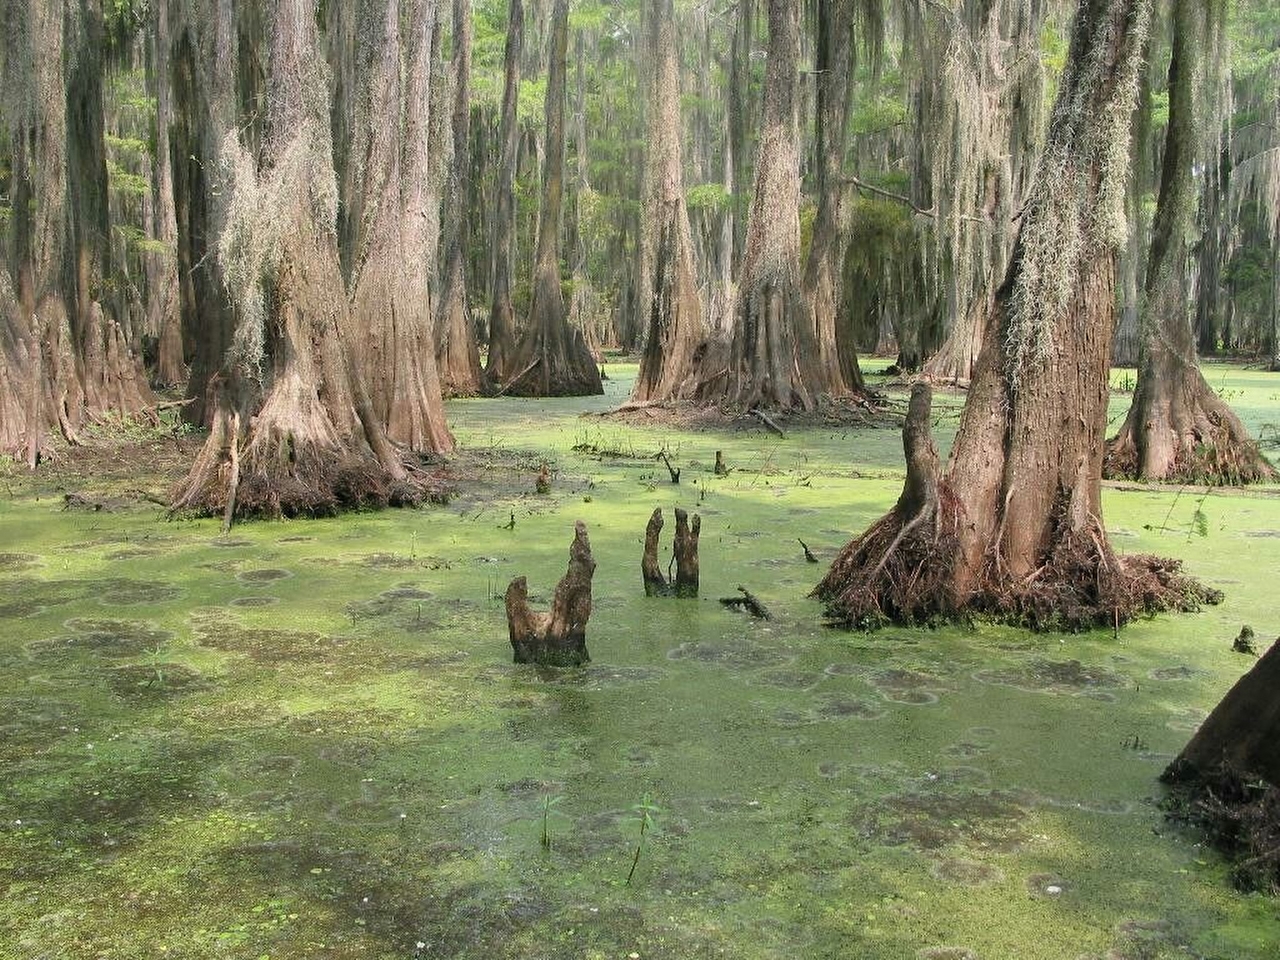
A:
(645, 813)
(549, 803)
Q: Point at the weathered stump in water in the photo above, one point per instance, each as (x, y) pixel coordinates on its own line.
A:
(1242, 733)
(685, 584)
(557, 638)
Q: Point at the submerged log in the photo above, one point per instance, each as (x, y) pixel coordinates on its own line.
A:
(557, 638)
(685, 584)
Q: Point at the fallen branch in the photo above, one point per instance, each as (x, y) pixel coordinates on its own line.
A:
(749, 602)
(767, 421)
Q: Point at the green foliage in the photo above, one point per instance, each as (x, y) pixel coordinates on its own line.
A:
(878, 116)
(708, 196)
(122, 181)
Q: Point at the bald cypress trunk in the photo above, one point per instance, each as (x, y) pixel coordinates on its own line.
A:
(502, 325)
(66, 357)
(551, 358)
(1013, 528)
(458, 356)
(1178, 429)
(207, 38)
(769, 356)
(836, 372)
(670, 311)
(301, 437)
(165, 317)
(394, 255)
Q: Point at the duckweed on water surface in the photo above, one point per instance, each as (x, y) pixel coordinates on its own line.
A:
(307, 739)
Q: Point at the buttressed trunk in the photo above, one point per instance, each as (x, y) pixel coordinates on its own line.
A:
(1013, 528)
(835, 375)
(502, 324)
(63, 357)
(769, 357)
(668, 302)
(552, 359)
(1178, 429)
(458, 356)
(391, 324)
(314, 443)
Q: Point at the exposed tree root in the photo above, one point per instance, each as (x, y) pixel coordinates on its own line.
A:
(1207, 446)
(904, 569)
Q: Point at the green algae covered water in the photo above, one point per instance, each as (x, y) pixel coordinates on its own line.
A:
(307, 739)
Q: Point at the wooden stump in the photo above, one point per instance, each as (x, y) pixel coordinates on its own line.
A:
(1243, 731)
(557, 638)
(685, 584)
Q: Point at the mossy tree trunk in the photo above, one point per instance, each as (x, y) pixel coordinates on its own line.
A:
(65, 357)
(769, 357)
(670, 310)
(1013, 528)
(304, 439)
(837, 372)
(207, 73)
(457, 355)
(1178, 429)
(551, 358)
(163, 306)
(502, 324)
(391, 322)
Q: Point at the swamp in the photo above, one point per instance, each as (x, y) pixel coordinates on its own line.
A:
(306, 738)
(639, 479)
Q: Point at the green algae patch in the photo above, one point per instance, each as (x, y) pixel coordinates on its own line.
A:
(306, 739)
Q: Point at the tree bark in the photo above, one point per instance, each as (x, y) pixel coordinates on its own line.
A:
(206, 74)
(670, 311)
(314, 442)
(552, 359)
(163, 306)
(685, 584)
(502, 324)
(836, 374)
(61, 350)
(457, 354)
(391, 323)
(769, 357)
(1014, 529)
(557, 638)
(1178, 429)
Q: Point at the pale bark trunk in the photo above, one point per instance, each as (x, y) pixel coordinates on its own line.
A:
(552, 359)
(457, 354)
(391, 323)
(770, 357)
(165, 316)
(670, 312)
(315, 444)
(502, 326)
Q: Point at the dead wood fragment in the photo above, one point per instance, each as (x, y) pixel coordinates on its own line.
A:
(721, 470)
(685, 584)
(1243, 643)
(768, 421)
(557, 638)
(808, 554)
(672, 471)
(749, 602)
